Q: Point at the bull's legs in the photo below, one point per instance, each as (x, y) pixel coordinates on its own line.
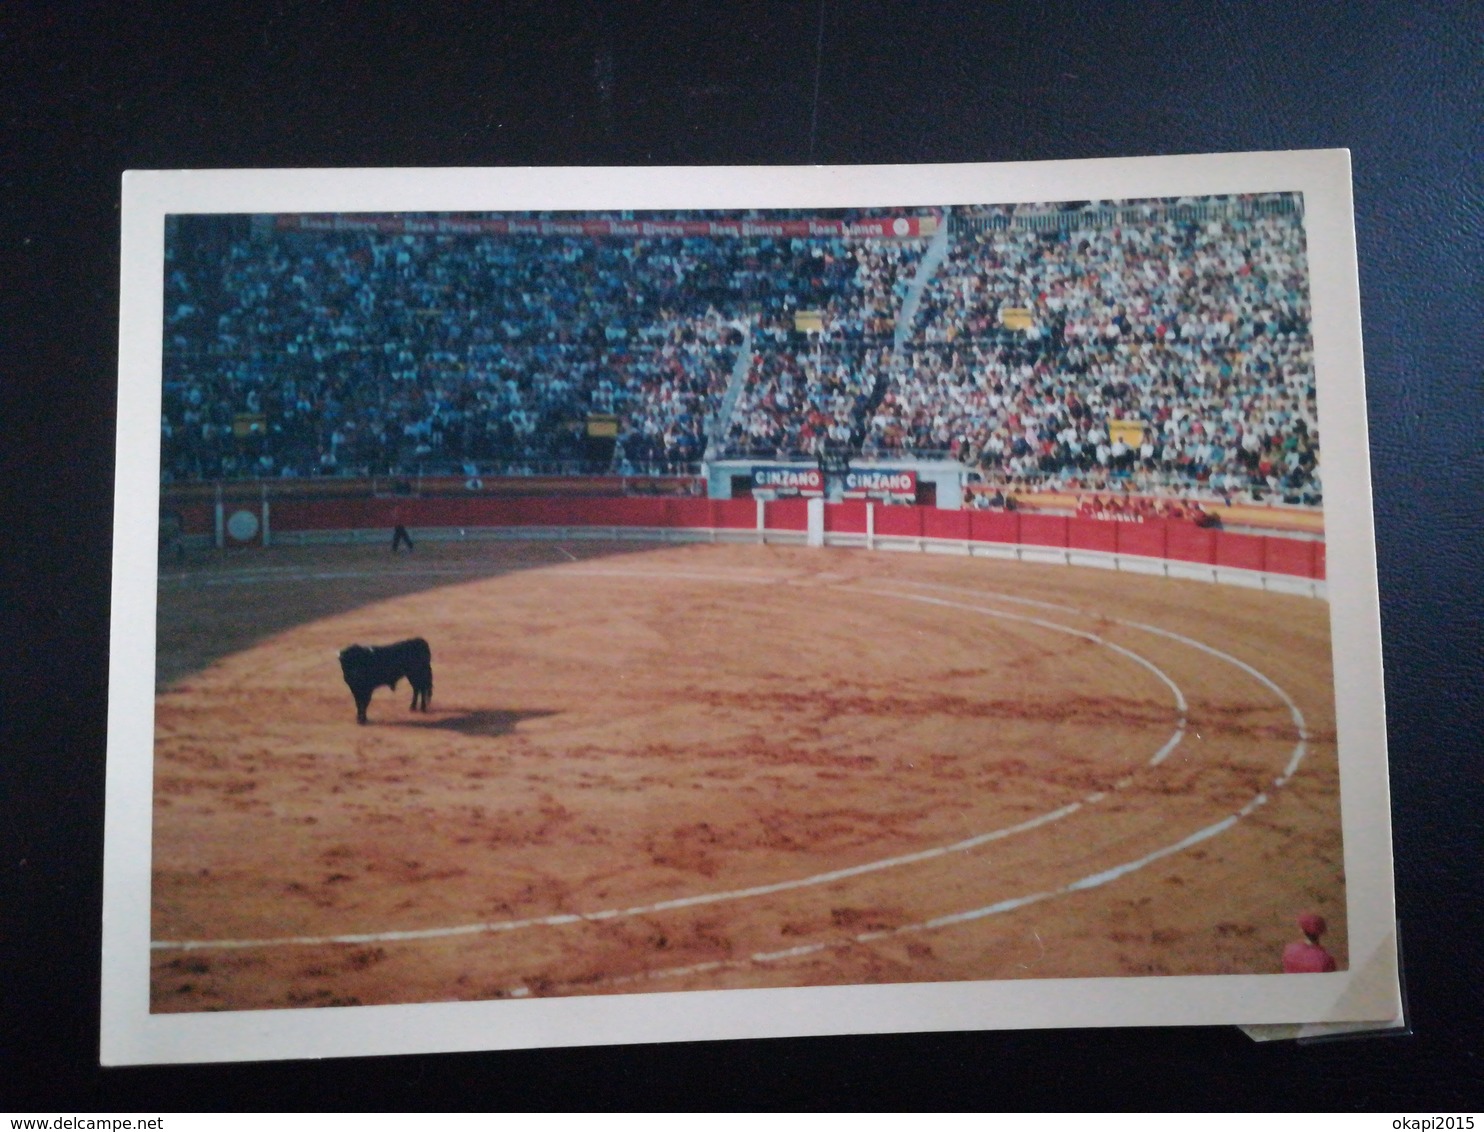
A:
(422, 690)
(363, 701)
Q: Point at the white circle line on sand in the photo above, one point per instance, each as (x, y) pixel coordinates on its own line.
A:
(1082, 884)
(1295, 714)
(1096, 880)
(814, 880)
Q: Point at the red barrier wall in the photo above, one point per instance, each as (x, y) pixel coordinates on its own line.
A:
(1243, 552)
(533, 512)
(735, 514)
(331, 515)
(901, 522)
(641, 512)
(1157, 538)
(1043, 530)
(1291, 556)
(847, 518)
(1190, 544)
(439, 513)
(195, 518)
(994, 526)
(1144, 539)
(689, 513)
(336, 487)
(944, 524)
(1089, 534)
(788, 515)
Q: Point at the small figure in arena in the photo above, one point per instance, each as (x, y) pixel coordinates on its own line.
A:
(1305, 956)
(399, 535)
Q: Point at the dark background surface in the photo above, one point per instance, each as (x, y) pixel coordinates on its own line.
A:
(92, 90)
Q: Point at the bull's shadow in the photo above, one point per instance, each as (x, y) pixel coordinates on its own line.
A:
(490, 723)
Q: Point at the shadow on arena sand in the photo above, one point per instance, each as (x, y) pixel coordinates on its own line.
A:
(720, 766)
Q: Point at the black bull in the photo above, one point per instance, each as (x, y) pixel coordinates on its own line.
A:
(368, 667)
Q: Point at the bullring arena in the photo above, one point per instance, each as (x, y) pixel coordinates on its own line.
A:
(714, 759)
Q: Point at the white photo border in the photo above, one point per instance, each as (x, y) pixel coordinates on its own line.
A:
(1367, 991)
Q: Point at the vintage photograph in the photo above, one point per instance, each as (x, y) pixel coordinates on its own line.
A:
(593, 602)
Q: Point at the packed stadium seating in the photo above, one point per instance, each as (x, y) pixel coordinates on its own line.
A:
(1159, 346)
(366, 350)
(1194, 331)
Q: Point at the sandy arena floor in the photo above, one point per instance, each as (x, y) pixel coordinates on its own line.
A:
(669, 768)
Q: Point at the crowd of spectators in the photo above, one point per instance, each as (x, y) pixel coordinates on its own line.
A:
(316, 352)
(1162, 349)
(803, 401)
(1133, 345)
(808, 392)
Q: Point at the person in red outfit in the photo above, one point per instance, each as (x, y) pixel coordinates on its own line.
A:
(1306, 956)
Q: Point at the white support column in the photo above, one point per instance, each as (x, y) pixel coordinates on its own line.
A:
(815, 509)
(870, 525)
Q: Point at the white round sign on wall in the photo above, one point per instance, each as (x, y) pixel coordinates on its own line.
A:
(242, 526)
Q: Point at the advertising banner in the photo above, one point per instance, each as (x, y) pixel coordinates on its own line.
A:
(881, 483)
(788, 481)
(871, 228)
